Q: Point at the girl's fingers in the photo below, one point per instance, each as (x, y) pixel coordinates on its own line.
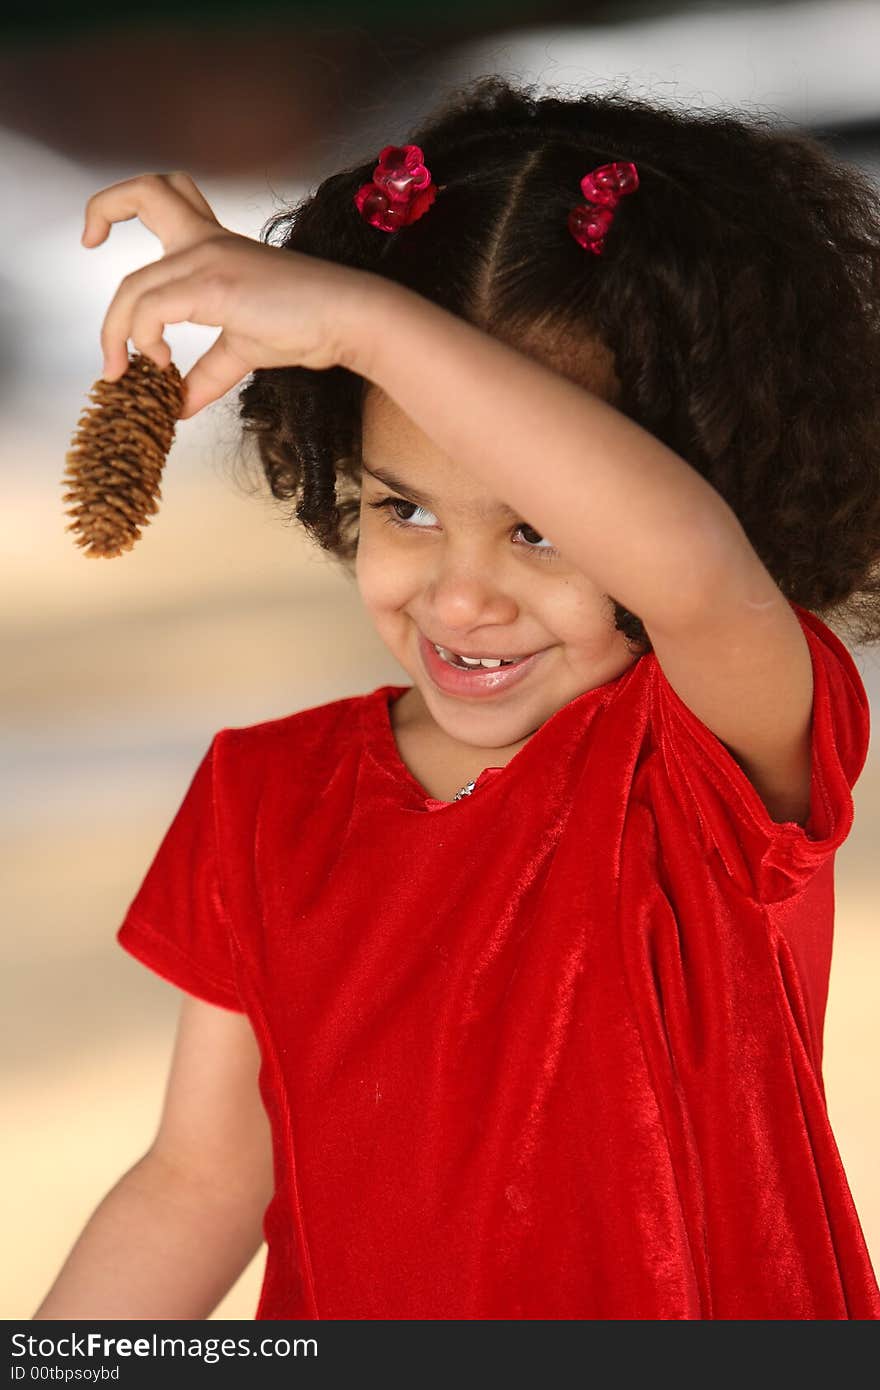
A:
(119, 320)
(216, 371)
(170, 206)
(174, 209)
(172, 302)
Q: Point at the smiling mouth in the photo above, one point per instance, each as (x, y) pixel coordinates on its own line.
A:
(467, 677)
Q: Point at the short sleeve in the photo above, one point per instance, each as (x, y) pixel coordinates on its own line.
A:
(768, 860)
(177, 922)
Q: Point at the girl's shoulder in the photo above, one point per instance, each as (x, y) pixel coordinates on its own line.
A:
(320, 733)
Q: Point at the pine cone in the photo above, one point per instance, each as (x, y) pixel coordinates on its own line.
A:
(117, 455)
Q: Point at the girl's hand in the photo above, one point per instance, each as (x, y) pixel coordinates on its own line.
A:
(276, 308)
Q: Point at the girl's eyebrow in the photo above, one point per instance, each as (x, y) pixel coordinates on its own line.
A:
(384, 475)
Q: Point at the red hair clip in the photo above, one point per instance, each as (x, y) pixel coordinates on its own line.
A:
(603, 188)
(401, 189)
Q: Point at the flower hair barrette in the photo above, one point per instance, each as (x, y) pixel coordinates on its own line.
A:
(401, 191)
(603, 189)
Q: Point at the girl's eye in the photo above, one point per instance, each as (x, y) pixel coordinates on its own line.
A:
(535, 541)
(391, 505)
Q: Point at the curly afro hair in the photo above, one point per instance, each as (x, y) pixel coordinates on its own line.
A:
(737, 296)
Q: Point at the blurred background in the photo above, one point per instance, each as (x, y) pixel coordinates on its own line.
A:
(115, 676)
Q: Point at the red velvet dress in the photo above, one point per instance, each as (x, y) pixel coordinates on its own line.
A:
(550, 1051)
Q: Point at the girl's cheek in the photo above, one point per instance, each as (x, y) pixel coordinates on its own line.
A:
(383, 577)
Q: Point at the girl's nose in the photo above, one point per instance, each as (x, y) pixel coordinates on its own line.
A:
(464, 595)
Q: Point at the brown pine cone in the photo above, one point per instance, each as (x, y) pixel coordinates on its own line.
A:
(117, 455)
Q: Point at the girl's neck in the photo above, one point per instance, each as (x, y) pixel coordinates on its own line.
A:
(439, 763)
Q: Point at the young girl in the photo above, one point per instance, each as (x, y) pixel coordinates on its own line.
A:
(504, 989)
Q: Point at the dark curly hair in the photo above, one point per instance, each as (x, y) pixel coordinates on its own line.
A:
(738, 295)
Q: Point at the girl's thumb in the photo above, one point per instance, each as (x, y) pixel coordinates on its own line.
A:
(215, 373)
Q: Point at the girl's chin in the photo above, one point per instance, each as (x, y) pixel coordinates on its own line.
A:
(487, 723)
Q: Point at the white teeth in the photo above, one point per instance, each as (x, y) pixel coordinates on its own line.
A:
(491, 662)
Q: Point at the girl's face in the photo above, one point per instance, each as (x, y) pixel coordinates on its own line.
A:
(440, 560)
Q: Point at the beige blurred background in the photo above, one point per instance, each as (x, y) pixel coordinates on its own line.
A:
(116, 674)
